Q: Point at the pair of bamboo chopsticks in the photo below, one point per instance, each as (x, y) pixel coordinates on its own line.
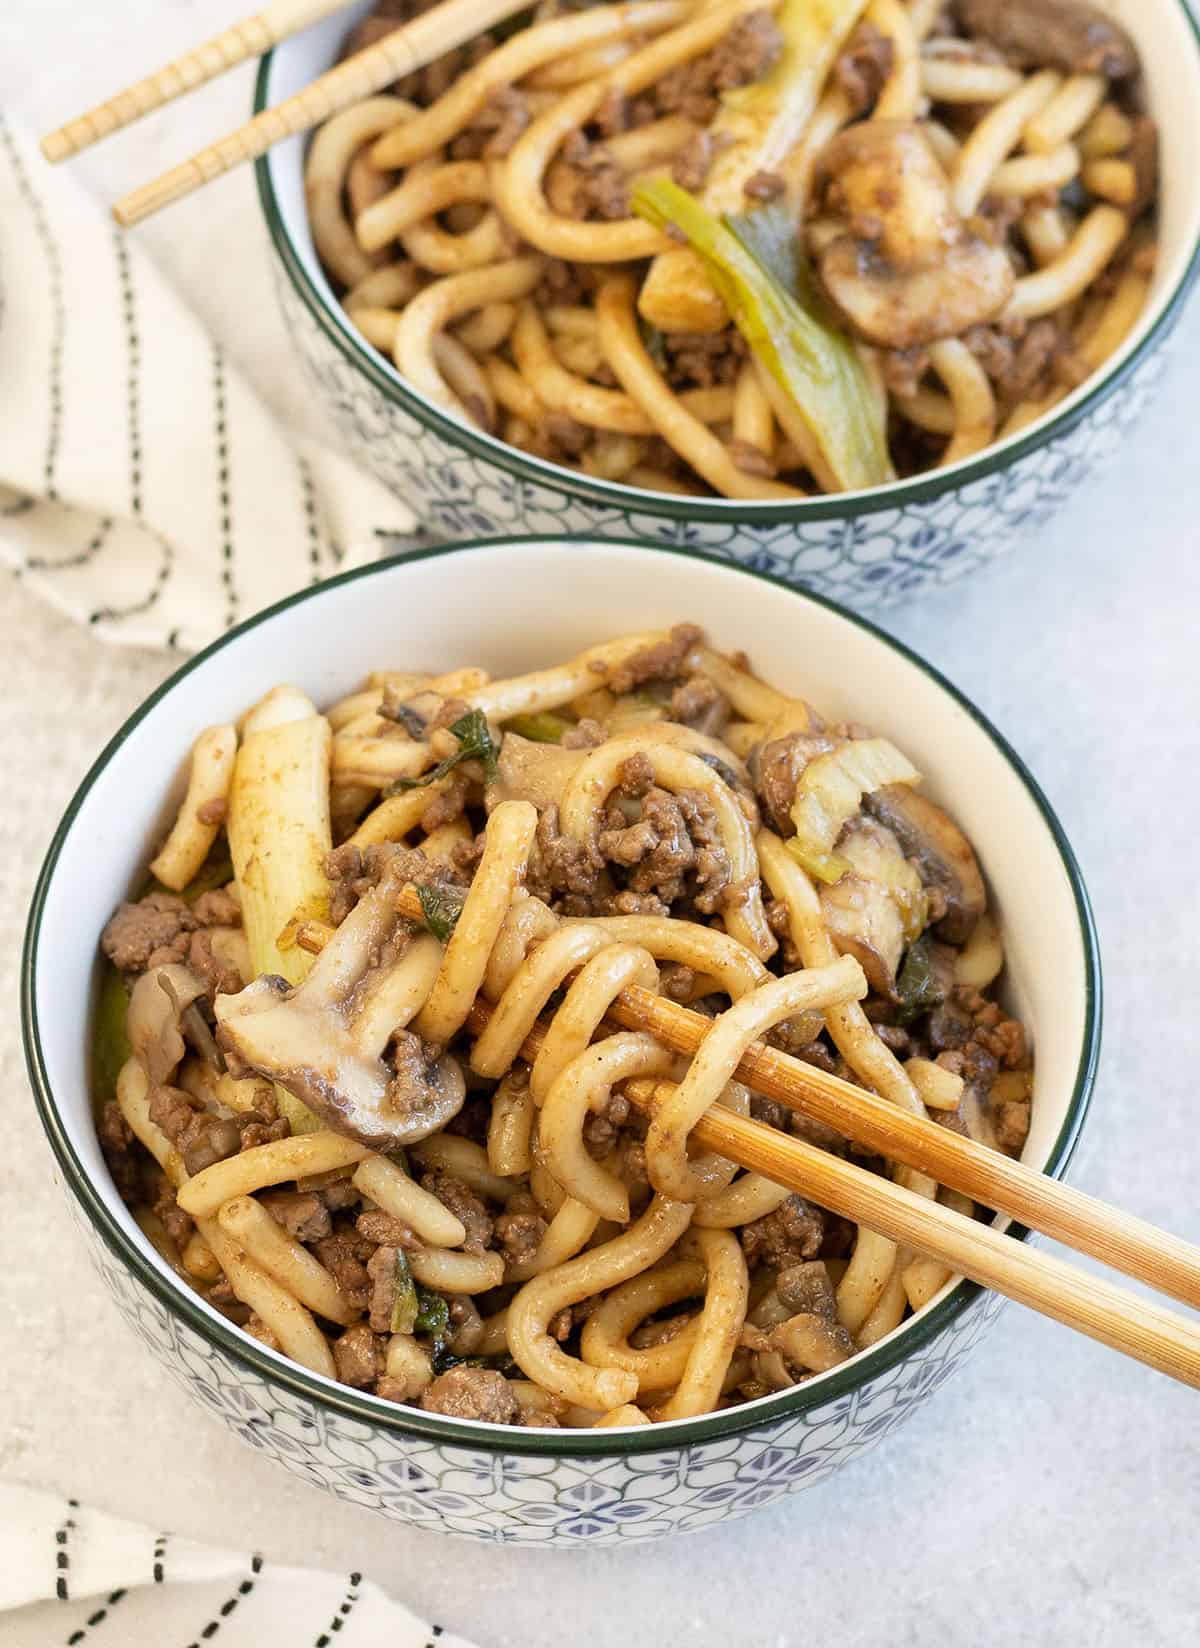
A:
(1136, 1327)
(407, 48)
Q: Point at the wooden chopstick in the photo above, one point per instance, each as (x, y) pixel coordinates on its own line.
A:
(249, 38)
(1164, 1262)
(366, 72)
(1124, 1321)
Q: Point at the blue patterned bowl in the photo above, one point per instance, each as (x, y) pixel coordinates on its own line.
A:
(867, 549)
(495, 603)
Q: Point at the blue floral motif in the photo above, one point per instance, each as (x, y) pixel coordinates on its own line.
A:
(878, 557)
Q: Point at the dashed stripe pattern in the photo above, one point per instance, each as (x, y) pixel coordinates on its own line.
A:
(222, 434)
(95, 1619)
(343, 1613)
(227, 1607)
(310, 519)
(39, 563)
(58, 309)
(133, 388)
(160, 1551)
(62, 1556)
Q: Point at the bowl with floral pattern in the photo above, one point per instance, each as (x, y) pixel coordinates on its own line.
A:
(867, 549)
(503, 604)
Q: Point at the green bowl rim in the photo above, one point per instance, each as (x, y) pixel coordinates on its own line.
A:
(373, 1410)
(919, 489)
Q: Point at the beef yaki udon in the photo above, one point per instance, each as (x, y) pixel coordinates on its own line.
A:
(748, 249)
(359, 1086)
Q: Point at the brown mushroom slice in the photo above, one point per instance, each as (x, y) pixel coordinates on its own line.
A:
(324, 1041)
(157, 1006)
(530, 771)
(904, 308)
(907, 271)
(813, 1342)
(878, 907)
(1053, 34)
(941, 852)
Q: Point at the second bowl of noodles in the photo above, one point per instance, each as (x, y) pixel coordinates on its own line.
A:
(856, 295)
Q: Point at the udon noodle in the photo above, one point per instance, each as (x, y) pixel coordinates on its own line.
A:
(499, 1215)
(750, 248)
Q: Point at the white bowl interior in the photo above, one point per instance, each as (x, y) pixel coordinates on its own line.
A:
(489, 606)
(1170, 56)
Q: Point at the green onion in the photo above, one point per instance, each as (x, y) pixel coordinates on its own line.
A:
(475, 743)
(542, 728)
(827, 867)
(814, 363)
(433, 1314)
(917, 984)
(405, 1308)
(441, 907)
(110, 1042)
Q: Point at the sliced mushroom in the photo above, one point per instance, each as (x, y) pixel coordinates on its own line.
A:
(878, 907)
(776, 769)
(530, 771)
(161, 998)
(1053, 34)
(941, 852)
(325, 1040)
(907, 270)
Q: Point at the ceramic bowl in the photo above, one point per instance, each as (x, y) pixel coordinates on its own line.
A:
(867, 549)
(495, 603)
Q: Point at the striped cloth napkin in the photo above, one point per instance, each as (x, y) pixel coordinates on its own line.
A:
(72, 1574)
(144, 488)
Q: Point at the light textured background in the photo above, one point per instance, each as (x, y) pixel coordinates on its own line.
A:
(1049, 1494)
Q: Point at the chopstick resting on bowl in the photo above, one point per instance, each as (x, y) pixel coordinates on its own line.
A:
(398, 54)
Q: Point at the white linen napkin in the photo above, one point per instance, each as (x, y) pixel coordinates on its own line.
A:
(73, 1574)
(144, 488)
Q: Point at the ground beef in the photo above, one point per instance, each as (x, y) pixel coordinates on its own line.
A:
(258, 1329)
(676, 981)
(120, 1152)
(465, 1205)
(601, 186)
(520, 1235)
(447, 804)
(566, 434)
(691, 166)
(807, 1288)
(674, 846)
(661, 661)
(1015, 366)
(219, 977)
(471, 1393)
(600, 1127)
(863, 66)
(302, 1213)
(359, 1356)
(903, 370)
(794, 1231)
(344, 1254)
(704, 359)
(563, 872)
(163, 928)
(381, 1268)
(698, 703)
(200, 1137)
(354, 871)
(567, 283)
(751, 48)
(377, 1226)
(177, 1223)
(586, 734)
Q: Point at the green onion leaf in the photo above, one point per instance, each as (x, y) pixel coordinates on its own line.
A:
(405, 1309)
(542, 728)
(432, 1316)
(441, 907)
(814, 363)
(110, 1041)
(917, 985)
(475, 743)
